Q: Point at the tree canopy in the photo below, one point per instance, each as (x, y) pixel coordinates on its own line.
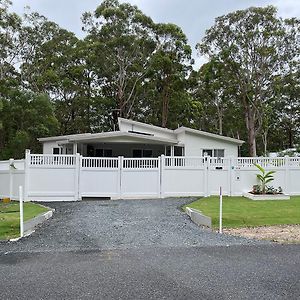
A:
(53, 82)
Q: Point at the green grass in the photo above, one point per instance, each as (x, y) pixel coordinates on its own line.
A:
(10, 217)
(242, 212)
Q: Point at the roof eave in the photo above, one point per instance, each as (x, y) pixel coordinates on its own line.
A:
(150, 126)
(122, 134)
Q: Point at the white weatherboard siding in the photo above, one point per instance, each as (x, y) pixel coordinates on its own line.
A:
(137, 135)
(128, 125)
(194, 144)
(48, 146)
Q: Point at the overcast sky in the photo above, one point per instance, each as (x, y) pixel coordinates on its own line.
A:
(193, 16)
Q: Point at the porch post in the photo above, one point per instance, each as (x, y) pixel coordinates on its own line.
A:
(75, 148)
(172, 150)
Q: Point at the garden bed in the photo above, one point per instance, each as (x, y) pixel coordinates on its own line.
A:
(266, 196)
(280, 234)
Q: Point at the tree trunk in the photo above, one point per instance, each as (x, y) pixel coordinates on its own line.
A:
(165, 104)
(265, 141)
(250, 123)
(290, 137)
(220, 119)
(165, 109)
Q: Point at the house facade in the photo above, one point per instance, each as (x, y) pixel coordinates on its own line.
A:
(136, 139)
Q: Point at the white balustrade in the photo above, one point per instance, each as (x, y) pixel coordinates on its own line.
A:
(100, 162)
(265, 162)
(187, 162)
(52, 160)
(140, 163)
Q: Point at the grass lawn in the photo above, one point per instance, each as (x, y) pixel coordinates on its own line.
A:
(242, 212)
(10, 217)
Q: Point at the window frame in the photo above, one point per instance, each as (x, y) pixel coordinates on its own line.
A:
(213, 152)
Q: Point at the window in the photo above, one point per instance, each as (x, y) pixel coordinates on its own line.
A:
(178, 151)
(103, 152)
(219, 152)
(137, 153)
(56, 150)
(207, 152)
(107, 152)
(168, 151)
(213, 152)
(90, 151)
(147, 153)
(141, 153)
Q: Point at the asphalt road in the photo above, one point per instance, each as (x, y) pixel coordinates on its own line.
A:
(143, 261)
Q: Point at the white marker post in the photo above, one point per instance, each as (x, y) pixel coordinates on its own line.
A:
(221, 206)
(21, 211)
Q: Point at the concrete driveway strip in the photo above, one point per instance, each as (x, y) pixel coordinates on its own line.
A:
(142, 249)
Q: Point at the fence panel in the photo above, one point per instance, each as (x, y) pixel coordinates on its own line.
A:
(183, 176)
(218, 175)
(140, 178)
(18, 178)
(244, 173)
(4, 183)
(99, 177)
(4, 165)
(52, 177)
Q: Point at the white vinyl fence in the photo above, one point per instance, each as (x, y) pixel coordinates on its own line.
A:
(73, 177)
(12, 175)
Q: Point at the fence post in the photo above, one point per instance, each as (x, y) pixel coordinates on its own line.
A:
(162, 169)
(206, 164)
(11, 178)
(158, 175)
(286, 174)
(221, 210)
(120, 165)
(21, 211)
(77, 177)
(27, 174)
(231, 168)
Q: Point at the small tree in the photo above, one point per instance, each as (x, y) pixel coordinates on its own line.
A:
(264, 177)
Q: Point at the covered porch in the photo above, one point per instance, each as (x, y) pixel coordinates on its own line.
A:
(122, 144)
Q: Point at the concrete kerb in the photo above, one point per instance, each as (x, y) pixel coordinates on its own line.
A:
(198, 218)
(266, 197)
(30, 225)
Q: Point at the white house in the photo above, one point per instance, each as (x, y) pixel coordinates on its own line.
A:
(136, 139)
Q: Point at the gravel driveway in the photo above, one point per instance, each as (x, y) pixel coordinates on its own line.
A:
(122, 224)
